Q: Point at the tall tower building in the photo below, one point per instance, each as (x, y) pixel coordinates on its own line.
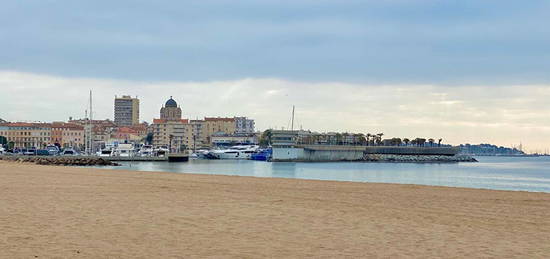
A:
(126, 111)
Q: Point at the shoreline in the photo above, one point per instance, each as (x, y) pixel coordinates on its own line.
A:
(115, 166)
(52, 211)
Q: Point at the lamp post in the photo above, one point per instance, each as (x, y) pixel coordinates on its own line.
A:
(170, 137)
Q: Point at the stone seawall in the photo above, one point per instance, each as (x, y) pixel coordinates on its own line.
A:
(59, 160)
(418, 158)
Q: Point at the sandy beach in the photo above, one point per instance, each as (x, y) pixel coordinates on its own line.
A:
(67, 212)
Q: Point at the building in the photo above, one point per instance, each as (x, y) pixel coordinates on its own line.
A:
(244, 125)
(126, 111)
(222, 139)
(67, 135)
(125, 135)
(170, 111)
(217, 125)
(101, 131)
(26, 135)
(171, 134)
(171, 130)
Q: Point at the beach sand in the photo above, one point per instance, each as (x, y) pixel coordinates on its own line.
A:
(66, 212)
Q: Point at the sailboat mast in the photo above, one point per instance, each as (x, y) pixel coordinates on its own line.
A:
(90, 140)
(292, 124)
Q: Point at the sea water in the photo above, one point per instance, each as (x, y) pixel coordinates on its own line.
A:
(498, 173)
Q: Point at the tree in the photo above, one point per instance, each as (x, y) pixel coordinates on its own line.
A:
(431, 141)
(360, 139)
(439, 142)
(379, 138)
(406, 141)
(3, 141)
(367, 137)
(420, 141)
(265, 139)
(149, 138)
(396, 141)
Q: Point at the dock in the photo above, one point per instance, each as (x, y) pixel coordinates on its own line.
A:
(135, 159)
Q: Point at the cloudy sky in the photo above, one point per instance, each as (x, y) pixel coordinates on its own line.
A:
(467, 71)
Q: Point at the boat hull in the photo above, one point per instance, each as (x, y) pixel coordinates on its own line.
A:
(178, 158)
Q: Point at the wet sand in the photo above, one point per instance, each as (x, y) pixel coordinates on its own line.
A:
(66, 212)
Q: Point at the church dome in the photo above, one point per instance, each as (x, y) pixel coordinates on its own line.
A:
(171, 103)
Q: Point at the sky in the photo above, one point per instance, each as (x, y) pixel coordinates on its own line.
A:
(465, 71)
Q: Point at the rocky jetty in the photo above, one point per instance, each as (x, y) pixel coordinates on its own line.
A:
(418, 158)
(59, 160)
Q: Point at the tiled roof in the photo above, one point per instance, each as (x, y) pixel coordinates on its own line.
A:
(219, 119)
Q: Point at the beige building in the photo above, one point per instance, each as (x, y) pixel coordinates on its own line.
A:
(192, 134)
(68, 135)
(171, 130)
(170, 134)
(170, 111)
(26, 135)
(126, 111)
(217, 125)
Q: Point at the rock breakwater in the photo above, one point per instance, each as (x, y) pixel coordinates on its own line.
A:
(58, 160)
(418, 158)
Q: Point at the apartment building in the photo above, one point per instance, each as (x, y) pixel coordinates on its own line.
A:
(26, 135)
(244, 125)
(68, 135)
(126, 110)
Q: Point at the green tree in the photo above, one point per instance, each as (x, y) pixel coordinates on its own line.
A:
(265, 139)
(149, 138)
(3, 141)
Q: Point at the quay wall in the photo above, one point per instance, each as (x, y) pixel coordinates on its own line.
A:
(326, 153)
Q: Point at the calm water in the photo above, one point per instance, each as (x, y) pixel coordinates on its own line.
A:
(500, 173)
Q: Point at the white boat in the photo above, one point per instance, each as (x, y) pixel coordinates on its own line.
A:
(146, 151)
(69, 152)
(105, 152)
(53, 150)
(234, 152)
(200, 154)
(161, 151)
(124, 150)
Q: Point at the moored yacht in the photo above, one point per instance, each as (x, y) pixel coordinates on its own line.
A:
(146, 151)
(124, 150)
(234, 152)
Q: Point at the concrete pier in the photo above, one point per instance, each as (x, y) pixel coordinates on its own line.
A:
(322, 153)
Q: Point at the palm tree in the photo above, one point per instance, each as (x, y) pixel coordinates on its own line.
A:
(367, 137)
(396, 141)
(420, 141)
(379, 138)
(431, 141)
(439, 142)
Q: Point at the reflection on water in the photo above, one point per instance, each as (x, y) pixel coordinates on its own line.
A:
(501, 173)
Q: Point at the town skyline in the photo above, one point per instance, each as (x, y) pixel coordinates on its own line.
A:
(432, 115)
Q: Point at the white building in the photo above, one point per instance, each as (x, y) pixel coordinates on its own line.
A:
(244, 125)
